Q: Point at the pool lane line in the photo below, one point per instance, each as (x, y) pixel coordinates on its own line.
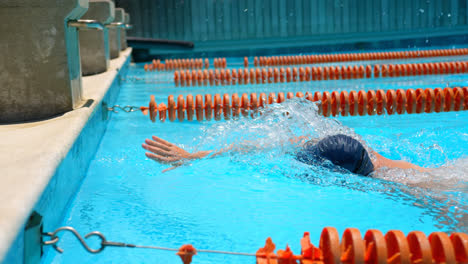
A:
(335, 103)
(200, 63)
(243, 76)
(358, 56)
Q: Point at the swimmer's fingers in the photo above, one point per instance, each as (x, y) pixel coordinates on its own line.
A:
(157, 145)
(161, 159)
(178, 164)
(162, 141)
(156, 150)
(171, 168)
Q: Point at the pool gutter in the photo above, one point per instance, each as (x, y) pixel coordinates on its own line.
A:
(32, 153)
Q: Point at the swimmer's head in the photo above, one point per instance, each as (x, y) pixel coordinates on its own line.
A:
(343, 151)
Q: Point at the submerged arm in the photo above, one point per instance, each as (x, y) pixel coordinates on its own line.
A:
(165, 152)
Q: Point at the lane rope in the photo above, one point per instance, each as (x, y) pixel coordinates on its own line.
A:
(362, 56)
(243, 76)
(374, 248)
(193, 63)
(344, 103)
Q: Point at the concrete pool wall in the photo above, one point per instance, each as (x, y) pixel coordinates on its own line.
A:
(44, 162)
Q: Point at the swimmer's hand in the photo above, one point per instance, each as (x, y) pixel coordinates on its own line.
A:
(167, 153)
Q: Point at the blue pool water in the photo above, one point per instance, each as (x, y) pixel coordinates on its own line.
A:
(235, 201)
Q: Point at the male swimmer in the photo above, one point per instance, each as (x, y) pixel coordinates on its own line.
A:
(341, 150)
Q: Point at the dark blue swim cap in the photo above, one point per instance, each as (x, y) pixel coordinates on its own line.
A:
(341, 150)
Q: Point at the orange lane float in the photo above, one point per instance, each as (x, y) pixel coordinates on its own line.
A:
(374, 248)
(186, 253)
(341, 57)
(175, 64)
(335, 103)
(219, 62)
(302, 74)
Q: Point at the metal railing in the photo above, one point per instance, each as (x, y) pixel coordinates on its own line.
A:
(86, 24)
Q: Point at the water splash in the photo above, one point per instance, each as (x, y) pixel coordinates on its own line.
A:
(269, 134)
(442, 192)
(274, 126)
(450, 177)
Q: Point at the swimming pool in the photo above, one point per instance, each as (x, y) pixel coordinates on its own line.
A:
(234, 202)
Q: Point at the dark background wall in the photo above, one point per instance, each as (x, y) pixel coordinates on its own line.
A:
(232, 24)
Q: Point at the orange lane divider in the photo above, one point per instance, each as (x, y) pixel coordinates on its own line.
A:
(304, 74)
(341, 57)
(174, 64)
(219, 62)
(330, 103)
(374, 248)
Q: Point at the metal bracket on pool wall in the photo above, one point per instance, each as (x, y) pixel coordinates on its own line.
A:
(105, 111)
(33, 239)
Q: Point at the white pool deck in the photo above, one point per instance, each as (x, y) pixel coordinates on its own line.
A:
(31, 152)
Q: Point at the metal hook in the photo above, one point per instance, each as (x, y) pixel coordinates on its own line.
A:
(112, 109)
(55, 239)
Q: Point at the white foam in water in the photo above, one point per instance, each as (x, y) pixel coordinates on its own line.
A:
(273, 127)
(452, 176)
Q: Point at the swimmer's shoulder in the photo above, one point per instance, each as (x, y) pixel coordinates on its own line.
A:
(383, 162)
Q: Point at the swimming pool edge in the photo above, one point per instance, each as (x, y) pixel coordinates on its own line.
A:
(36, 168)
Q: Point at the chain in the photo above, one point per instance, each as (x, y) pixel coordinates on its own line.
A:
(127, 108)
(54, 239)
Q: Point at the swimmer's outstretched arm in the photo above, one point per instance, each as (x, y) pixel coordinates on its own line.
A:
(165, 152)
(382, 162)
